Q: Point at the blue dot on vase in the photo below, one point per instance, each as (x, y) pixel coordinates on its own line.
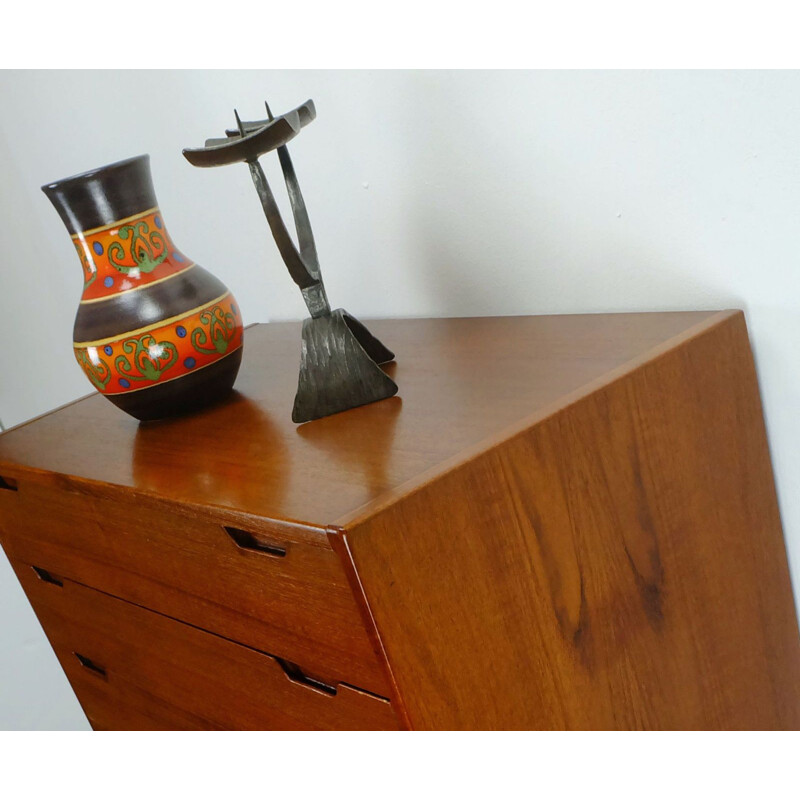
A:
(108, 281)
(177, 256)
(108, 349)
(124, 383)
(189, 362)
(233, 308)
(158, 222)
(98, 248)
(181, 331)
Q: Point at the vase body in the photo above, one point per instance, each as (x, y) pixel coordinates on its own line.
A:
(155, 333)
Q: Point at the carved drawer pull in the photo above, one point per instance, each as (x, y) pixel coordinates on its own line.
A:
(87, 663)
(252, 541)
(46, 576)
(294, 673)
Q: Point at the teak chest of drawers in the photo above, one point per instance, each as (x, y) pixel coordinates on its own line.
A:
(559, 522)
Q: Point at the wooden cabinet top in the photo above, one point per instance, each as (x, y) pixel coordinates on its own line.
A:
(465, 385)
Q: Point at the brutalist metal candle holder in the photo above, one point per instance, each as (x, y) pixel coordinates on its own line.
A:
(339, 363)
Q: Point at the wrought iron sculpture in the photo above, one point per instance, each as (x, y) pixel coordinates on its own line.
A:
(340, 358)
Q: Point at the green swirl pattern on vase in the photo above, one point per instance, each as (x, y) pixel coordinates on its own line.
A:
(147, 249)
(221, 327)
(89, 269)
(150, 358)
(97, 371)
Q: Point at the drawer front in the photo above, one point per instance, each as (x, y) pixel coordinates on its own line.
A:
(135, 669)
(281, 592)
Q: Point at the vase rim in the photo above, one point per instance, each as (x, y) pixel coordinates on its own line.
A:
(97, 172)
(103, 195)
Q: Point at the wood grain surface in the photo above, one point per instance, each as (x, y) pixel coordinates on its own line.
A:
(559, 522)
(264, 586)
(461, 381)
(137, 670)
(618, 563)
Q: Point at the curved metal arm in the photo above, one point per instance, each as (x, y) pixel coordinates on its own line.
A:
(303, 266)
(305, 235)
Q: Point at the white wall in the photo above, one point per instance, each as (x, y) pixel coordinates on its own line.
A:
(431, 193)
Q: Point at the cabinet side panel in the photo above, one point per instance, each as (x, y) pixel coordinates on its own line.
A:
(619, 565)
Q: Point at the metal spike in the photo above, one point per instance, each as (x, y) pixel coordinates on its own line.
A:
(238, 122)
(269, 113)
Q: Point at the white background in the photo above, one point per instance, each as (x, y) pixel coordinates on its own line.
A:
(431, 194)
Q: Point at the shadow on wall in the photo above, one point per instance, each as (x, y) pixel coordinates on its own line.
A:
(496, 232)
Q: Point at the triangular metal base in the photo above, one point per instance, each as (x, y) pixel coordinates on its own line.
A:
(339, 367)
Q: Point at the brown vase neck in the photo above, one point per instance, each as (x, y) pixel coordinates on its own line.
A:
(103, 196)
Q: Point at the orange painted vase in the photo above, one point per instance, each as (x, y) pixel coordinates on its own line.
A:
(155, 333)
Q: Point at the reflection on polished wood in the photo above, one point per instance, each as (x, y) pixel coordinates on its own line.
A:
(195, 468)
(461, 381)
(559, 522)
(372, 458)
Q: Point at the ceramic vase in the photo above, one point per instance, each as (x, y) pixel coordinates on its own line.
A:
(155, 333)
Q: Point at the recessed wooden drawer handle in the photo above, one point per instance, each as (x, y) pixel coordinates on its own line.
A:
(253, 541)
(46, 576)
(8, 483)
(87, 663)
(294, 673)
